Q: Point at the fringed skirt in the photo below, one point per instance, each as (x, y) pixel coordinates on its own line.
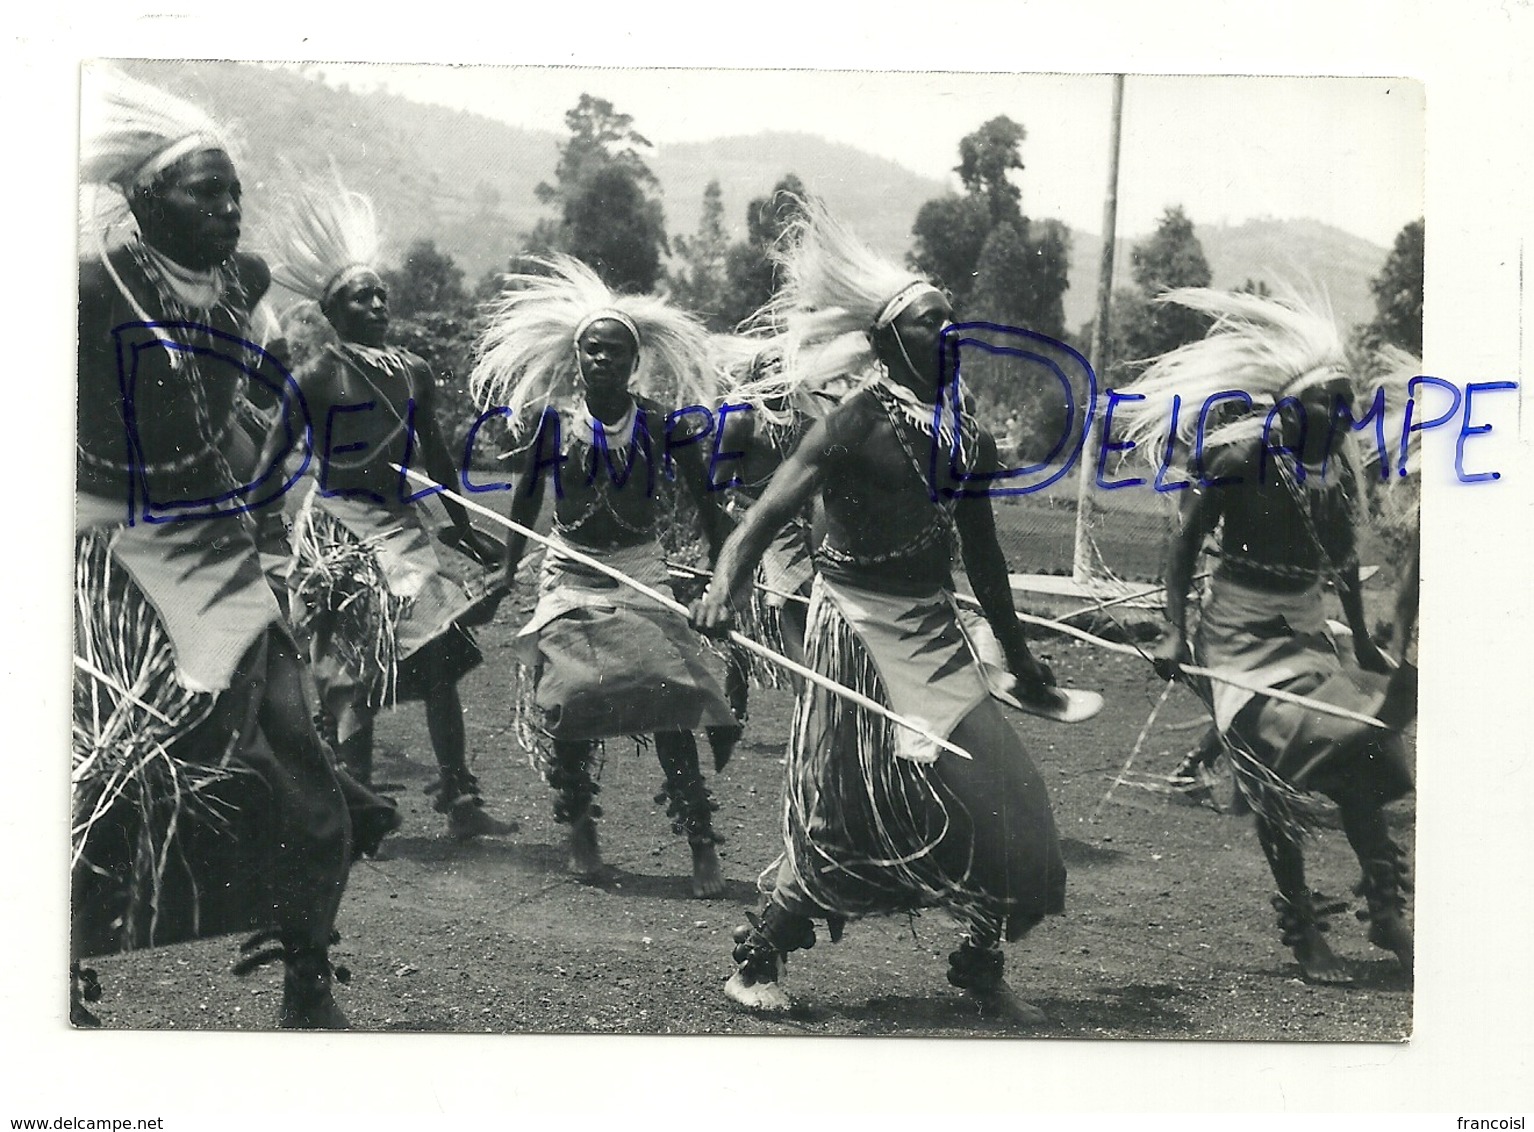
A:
(164, 614)
(785, 572)
(1280, 751)
(876, 820)
(599, 660)
(378, 597)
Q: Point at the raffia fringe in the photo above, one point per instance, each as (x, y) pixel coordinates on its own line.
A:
(762, 622)
(897, 870)
(345, 595)
(533, 739)
(129, 710)
(1292, 811)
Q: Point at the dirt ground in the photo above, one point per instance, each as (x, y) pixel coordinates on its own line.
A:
(1168, 932)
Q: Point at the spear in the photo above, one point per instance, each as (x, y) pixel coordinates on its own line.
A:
(745, 642)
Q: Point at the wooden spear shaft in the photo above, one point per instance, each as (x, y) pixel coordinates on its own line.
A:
(675, 606)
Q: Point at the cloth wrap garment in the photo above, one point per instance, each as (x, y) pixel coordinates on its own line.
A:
(608, 661)
(411, 636)
(876, 819)
(180, 863)
(199, 826)
(1280, 640)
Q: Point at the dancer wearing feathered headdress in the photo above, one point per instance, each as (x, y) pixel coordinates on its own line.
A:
(599, 386)
(759, 434)
(1280, 487)
(190, 695)
(386, 602)
(876, 819)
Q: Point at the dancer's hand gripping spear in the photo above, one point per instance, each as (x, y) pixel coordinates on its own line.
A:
(557, 547)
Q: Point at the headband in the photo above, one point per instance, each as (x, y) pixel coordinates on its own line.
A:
(157, 163)
(602, 315)
(902, 299)
(341, 279)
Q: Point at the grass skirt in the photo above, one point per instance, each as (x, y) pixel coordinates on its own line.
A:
(378, 597)
(870, 825)
(146, 779)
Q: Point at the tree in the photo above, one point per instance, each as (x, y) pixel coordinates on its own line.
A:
(750, 277)
(1398, 294)
(1009, 386)
(601, 188)
(1172, 257)
(427, 280)
(1045, 278)
(611, 225)
(599, 137)
(985, 158)
(699, 283)
(948, 235)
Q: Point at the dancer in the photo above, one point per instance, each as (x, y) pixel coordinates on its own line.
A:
(385, 601)
(759, 438)
(193, 714)
(875, 819)
(1281, 488)
(607, 392)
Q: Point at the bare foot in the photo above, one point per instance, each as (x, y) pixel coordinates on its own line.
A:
(585, 855)
(763, 998)
(468, 821)
(707, 875)
(1393, 934)
(1002, 1003)
(1317, 963)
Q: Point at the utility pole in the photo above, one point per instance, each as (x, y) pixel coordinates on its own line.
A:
(1083, 568)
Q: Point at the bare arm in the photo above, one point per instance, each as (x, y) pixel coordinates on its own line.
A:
(315, 382)
(986, 566)
(434, 453)
(1350, 592)
(1200, 514)
(792, 486)
(526, 497)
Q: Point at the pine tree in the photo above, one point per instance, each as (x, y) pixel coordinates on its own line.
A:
(699, 285)
(601, 189)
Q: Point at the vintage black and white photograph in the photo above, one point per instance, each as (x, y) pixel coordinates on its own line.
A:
(548, 580)
(700, 551)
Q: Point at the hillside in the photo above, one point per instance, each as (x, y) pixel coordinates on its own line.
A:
(461, 179)
(1307, 253)
(879, 197)
(467, 182)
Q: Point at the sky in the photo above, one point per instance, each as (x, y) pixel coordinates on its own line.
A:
(1345, 151)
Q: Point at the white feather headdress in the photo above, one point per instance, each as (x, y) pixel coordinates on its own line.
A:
(834, 291)
(329, 234)
(526, 358)
(1269, 348)
(130, 132)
